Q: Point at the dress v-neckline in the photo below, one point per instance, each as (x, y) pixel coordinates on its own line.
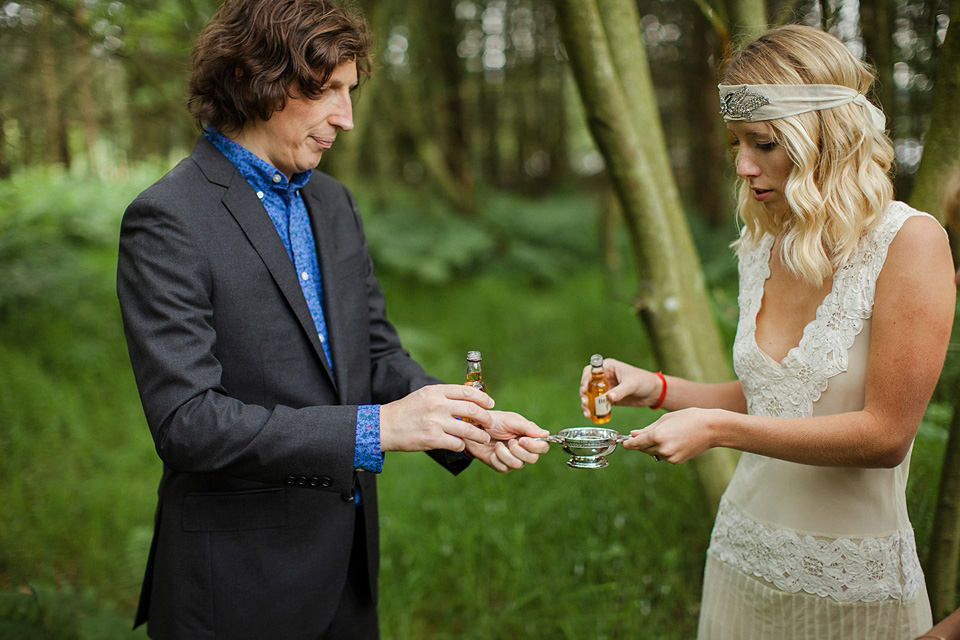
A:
(770, 241)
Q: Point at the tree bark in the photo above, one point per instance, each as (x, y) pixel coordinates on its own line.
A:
(941, 146)
(711, 195)
(748, 19)
(941, 154)
(876, 22)
(603, 42)
(941, 565)
(55, 148)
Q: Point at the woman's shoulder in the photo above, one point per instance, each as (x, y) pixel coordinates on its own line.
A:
(908, 225)
(918, 242)
(902, 226)
(898, 213)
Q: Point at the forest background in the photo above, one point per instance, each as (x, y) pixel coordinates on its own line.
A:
(517, 201)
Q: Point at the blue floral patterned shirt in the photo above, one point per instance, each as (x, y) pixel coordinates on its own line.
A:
(283, 203)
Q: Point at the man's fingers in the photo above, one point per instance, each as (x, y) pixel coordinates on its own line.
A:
(473, 413)
(505, 454)
(538, 447)
(521, 453)
(463, 392)
(469, 432)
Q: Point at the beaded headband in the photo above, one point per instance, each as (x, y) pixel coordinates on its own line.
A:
(754, 102)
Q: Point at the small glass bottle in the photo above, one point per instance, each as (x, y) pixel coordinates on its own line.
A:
(474, 372)
(597, 403)
(474, 375)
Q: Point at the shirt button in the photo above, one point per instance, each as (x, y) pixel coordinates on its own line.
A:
(322, 339)
(260, 194)
(305, 275)
(277, 177)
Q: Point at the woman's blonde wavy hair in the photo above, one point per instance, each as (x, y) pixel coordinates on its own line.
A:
(840, 182)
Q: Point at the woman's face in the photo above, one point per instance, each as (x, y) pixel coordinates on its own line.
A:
(762, 163)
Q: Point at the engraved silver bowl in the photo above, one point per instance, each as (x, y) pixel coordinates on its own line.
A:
(587, 446)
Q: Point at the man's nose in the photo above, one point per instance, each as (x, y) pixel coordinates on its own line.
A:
(342, 117)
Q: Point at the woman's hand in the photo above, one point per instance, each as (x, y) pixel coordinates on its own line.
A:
(629, 386)
(676, 437)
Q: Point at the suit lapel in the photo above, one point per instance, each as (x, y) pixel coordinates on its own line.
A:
(320, 221)
(248, 211)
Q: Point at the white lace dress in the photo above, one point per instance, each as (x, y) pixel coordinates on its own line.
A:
(801, 551)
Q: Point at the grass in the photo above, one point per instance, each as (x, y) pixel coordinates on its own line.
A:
(546, 552)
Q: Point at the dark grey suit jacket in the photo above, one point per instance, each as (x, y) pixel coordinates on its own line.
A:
(255, 515)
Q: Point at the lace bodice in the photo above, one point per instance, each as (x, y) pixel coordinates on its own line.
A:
(789, 388)
(837, 532)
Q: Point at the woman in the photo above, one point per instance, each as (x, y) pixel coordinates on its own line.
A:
(846, 305)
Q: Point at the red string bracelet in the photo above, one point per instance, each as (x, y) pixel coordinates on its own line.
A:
(663, 392)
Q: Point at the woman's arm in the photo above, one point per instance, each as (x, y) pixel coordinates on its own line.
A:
(912, 319)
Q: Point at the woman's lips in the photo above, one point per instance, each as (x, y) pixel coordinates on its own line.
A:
(761, 194)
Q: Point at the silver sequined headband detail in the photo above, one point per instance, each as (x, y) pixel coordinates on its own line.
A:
(754, 102)
(740, 104)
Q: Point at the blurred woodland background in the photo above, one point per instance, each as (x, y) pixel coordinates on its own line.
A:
(540, 180)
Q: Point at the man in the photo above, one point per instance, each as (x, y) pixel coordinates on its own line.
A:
(269, 374)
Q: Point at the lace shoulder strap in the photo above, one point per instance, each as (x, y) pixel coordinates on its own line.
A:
(857, 279)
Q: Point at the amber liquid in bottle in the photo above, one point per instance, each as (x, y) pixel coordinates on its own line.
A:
(474, 374)
(600, 409)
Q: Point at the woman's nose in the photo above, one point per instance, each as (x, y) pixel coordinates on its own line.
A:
(746, 167)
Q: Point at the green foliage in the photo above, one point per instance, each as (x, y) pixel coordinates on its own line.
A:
(420, 236)
(75, 495)
(48, 218)
(48, 613)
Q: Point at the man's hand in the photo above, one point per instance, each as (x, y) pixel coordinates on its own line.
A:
(514, 442)
(429, 419)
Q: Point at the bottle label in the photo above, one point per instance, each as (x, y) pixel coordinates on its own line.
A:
(601, 405)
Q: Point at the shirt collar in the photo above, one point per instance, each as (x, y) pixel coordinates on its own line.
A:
(258, 172)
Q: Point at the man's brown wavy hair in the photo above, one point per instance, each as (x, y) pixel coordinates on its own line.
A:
(254, 54)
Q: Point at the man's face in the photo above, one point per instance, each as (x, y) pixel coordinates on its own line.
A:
(294, 138)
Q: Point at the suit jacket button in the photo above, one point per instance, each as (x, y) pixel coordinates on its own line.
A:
(302, 481)
(325, 481)
(314, 481)
(291, 480)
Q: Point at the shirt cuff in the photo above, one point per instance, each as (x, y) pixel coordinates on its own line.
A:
(368, 455)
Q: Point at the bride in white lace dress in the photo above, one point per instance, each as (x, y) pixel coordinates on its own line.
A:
(846, 305)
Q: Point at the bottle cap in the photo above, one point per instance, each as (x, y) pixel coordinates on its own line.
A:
(596, 360)
(474, 355)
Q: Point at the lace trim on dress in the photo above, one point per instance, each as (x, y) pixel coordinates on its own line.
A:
(789, 388)
(847, 570)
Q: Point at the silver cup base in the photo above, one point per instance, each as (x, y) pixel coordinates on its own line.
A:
(578, 462)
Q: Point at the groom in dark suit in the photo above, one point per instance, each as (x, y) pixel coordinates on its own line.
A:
(270, 377)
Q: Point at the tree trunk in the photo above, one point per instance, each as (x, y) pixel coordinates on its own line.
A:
(55, 148)
(876, 21)
(748, 19)
(85, 101)
(941, 565)
(603, 42)
(711, 195)
(4, 161)
(941, 147)
(941, 154)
